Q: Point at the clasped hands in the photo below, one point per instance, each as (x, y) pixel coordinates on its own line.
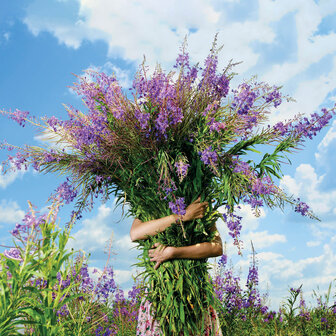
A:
(160, 253)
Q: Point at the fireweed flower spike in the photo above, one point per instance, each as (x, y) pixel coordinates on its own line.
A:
(132, 148)
(13, 253)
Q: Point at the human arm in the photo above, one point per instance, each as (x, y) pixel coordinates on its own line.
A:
(140, 230)
(161, 253)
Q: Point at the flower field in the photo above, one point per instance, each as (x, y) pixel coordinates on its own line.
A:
(173, 137)
(48, 290)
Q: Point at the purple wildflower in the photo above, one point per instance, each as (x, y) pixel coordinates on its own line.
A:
(305, 127)
(254, 202)
(233, 223)
(252, 278)
(181, 169)
(13, 253)
(222, 261)
(178, 207)
(106, 284)
(295, 290)
(228, 291)
(263, 309)
(281, 128)
(143, 118)
(275, 97)
(270, 316)
(324, 322)
(66, 192)
(29, 221)
(244, 99)
(134, 294)
(208, 156)
(20, 117)
(216, 125)
(182, 60)
(19, 161)
(53, 122)
(302, 208)
(119, 296)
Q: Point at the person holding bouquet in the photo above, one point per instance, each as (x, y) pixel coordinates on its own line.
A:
(147, 325)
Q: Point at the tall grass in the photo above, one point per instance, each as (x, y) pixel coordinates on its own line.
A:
(47, 290)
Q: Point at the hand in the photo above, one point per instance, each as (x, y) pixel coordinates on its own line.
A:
(195, 210)
(160, 253)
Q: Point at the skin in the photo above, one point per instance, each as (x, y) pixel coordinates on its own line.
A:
(160, 253)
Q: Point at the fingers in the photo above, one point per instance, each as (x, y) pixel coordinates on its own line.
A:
(155, 254)
(158, 262)
(153, 249)
(198, 200)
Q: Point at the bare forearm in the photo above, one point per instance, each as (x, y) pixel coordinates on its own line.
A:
(198, 251)
(140, 230)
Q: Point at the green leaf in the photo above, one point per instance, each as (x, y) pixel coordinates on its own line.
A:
(182, 317)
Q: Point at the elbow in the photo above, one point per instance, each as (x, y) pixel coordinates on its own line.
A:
(218, 251)
(133, 236)
(136, 235)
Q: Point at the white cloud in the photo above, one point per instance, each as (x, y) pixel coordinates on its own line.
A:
(311, 48)
(151, 27)
(122, 276)
(319, 233)
(263, 239)
(96, 235)
(312, 271)
(250, 224)
(52, 140)
(313, 243)
(250, 220)
(94, 232)
(43, 17)
(10, 177)
(306, 183)
(309, 92)
(124, 243)
(10, 212)
(277, 272)
(309, 96)
(122, 75)
(156, 28)
(291, 185)
(328, 139)
(274, 267)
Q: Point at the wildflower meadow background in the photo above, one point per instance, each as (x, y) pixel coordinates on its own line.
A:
(43, 43)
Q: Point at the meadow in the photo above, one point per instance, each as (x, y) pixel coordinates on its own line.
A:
(173, 138)
(47, 290)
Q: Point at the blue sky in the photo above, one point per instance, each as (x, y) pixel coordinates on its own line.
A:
(290, 43)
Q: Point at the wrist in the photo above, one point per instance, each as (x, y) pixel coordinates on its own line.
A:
(175, 218)
(174, 252)
(178, 218)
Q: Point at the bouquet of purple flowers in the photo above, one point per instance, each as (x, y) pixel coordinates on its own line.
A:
(173, 137)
